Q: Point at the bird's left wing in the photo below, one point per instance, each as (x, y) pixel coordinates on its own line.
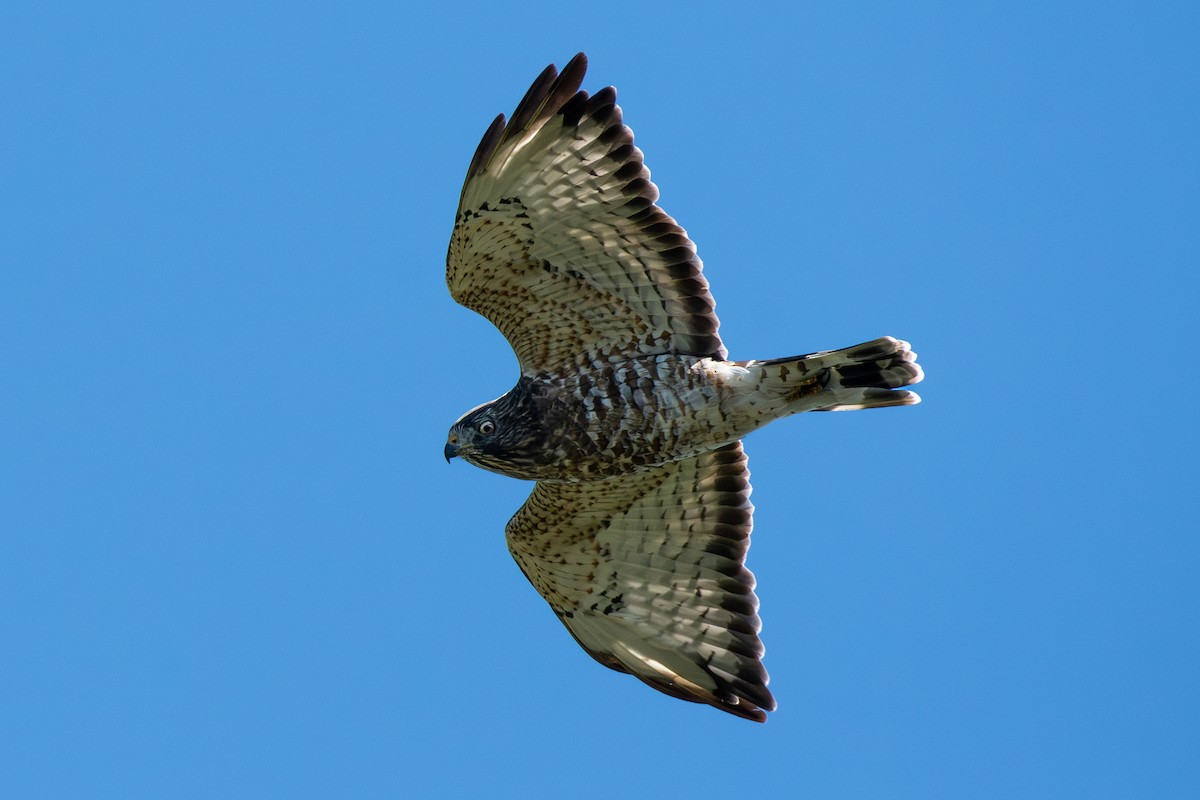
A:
(647, 572)
(559, 243)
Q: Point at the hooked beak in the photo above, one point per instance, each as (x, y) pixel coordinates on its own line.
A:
(451, 451)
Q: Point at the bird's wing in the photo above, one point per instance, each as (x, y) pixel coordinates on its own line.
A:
(558, 240)
(647, 572)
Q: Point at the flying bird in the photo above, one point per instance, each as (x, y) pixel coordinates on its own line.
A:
(627, 412)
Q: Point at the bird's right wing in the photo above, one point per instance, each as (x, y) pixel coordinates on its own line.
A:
(647, 572)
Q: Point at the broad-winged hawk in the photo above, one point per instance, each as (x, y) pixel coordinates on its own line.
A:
(627, 412)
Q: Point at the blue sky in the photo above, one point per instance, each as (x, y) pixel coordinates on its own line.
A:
(233, 563)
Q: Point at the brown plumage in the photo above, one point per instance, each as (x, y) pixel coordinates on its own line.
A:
(626, 412)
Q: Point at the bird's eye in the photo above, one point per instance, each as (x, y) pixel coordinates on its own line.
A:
(487, 427)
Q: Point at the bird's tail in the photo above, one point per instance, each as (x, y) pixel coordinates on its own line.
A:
(868, 375)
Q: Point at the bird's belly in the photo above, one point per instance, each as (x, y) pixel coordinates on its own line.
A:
(635, 415)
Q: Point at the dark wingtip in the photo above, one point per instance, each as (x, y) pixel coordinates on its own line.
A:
(487, 145)
(576, 68)
(549, 91)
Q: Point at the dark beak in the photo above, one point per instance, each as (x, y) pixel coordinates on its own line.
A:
(451, 451)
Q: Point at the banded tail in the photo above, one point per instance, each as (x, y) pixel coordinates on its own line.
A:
(868, 375)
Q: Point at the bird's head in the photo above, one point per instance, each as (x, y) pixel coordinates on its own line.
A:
(502, 436)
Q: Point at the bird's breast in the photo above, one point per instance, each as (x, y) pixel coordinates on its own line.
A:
(618, 417)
